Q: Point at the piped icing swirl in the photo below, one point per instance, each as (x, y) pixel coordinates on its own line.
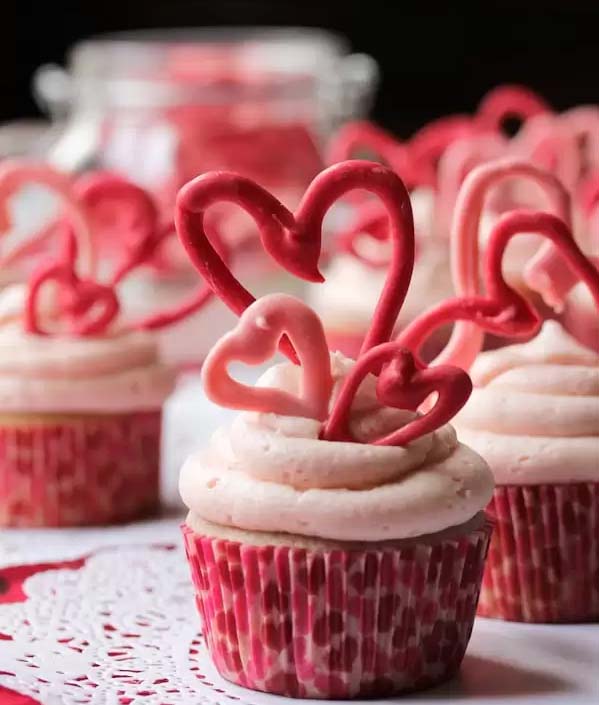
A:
(116, 372)
(272, 473)
(534, 412)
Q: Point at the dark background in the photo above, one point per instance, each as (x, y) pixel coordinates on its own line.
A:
(434, 60)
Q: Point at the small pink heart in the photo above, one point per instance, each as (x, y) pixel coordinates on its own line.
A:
(254, 340)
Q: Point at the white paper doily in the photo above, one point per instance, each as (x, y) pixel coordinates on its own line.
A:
(124, 628)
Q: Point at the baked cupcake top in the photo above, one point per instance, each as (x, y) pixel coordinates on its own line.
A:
(325, 447)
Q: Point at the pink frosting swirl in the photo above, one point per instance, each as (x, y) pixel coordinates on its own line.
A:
(114, 373)
(534, 412)
(271, 473)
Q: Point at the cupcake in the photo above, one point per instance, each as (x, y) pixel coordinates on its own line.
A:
(534, 417)
(80, 392)
(80, 426)
(336, 537)
(358, 580)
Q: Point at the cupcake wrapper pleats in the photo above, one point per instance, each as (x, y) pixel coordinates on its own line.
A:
(81, 471)
(337, 624)
(543, 561)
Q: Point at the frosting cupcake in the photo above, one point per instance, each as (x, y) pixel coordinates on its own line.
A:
(80, 391)
(336, 537)
(331, 568)
(533, 416)
(80, 427)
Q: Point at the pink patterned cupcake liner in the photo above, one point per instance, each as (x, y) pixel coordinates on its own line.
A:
(80, 471)
(543, 563)
(336, 623)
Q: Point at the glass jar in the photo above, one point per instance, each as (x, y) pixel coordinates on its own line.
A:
(161, 107)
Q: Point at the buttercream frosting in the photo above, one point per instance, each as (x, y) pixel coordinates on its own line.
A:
(534, 412)
(268, 472)
(113, 373)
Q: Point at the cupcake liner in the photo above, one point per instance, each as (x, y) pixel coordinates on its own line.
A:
(337, 623)
(75, 471)
(543, 563)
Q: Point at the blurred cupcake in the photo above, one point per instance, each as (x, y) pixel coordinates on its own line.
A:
(329, 568)
(80, 426)
(80, 395)
(534, 413)
(534, 416)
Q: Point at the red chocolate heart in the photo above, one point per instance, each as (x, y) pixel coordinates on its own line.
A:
(89, 307)
(402, 384)
(504, 311)
(294, 241)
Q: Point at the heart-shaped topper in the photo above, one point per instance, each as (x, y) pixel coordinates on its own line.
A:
(416, 160)
(265, 322)
(403, 384)
(294, 240)
(362, 136)
(102, 213)
(254, 340)
(467, 339)
(503, 311)
(124, 219)
(14, 175)
(509, 101)
(88, 307)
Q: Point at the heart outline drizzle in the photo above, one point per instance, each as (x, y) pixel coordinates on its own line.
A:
(81, 292)
(294, 240)
(503, 310)
(403, 383)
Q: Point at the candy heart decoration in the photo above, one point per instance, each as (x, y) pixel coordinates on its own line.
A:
(88, 306)
(294, 241)
(254, 340)
(402, 384)
(428, 144)
(466, 338)
(13, 177)
(123, 216)
(504, 311)
(455, 163)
